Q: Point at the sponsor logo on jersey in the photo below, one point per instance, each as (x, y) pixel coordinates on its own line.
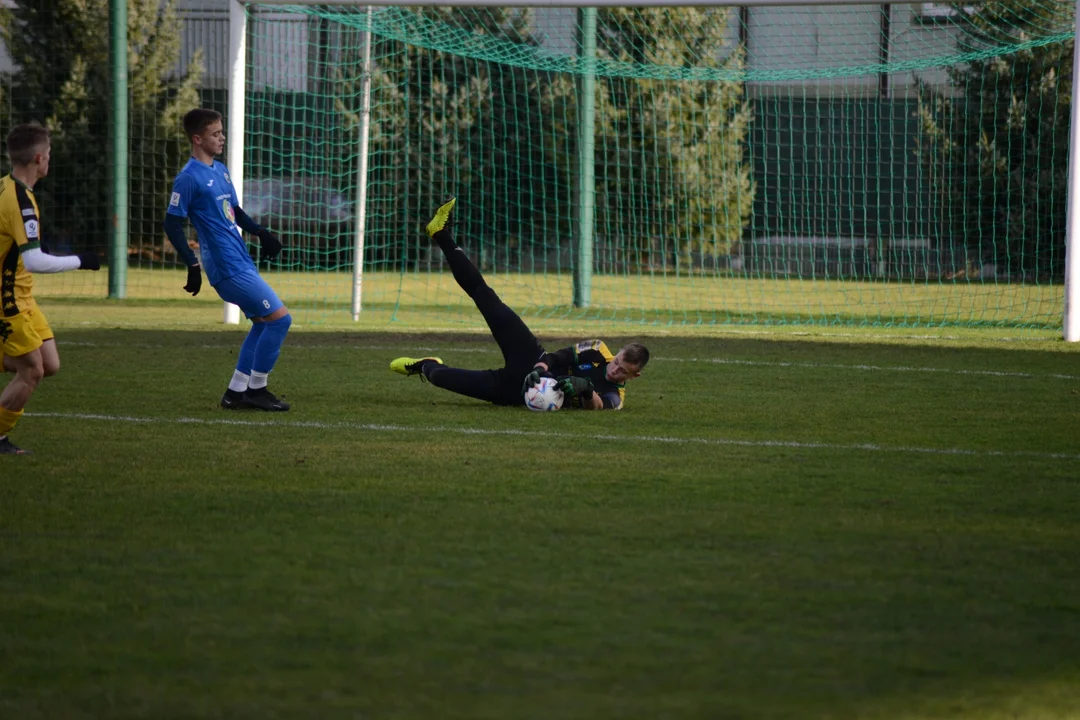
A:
(175, 199)
(31, 229)
(226, 207)
(586, 366)
(28, 212)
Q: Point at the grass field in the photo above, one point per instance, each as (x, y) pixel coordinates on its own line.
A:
(784, 522)
(421, 298)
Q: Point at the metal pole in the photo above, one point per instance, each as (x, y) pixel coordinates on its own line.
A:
(1071, 324)
(361, 174)
(586, 176)
(237, 111)
(118, 244)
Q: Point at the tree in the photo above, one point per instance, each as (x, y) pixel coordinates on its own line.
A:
(670, 164)
(459, 108)
(996, 148)
(61, 49)
(444, 123)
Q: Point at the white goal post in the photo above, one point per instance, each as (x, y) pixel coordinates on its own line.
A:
(238, 82)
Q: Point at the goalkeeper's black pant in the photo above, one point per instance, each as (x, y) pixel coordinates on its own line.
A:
(520, 348)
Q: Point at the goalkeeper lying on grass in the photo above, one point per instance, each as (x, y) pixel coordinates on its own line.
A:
(588, 374)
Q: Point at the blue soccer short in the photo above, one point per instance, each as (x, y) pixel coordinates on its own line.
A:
(250, 293)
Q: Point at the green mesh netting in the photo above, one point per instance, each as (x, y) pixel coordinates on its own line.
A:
(877, 164)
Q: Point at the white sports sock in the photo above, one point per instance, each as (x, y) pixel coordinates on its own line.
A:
(258, 380)
(239, 382)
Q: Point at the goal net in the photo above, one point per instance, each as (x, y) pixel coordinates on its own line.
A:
(900, 165)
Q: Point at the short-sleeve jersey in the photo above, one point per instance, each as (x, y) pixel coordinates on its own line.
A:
(204, 194)
(20, 230)
(590, 360)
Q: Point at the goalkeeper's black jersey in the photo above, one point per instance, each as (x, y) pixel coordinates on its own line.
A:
(588, 359)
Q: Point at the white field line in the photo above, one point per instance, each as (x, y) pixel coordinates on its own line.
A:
(656, 331)
(873, 368)
(658, 439)
(714, 360)
(320, 346)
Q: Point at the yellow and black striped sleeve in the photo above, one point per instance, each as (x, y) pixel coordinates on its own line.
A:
(20, 215)
(591, 350)
(20, 231)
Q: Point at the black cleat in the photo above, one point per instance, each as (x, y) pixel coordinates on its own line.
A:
(263, 399)
(233, 400)
(7, 448)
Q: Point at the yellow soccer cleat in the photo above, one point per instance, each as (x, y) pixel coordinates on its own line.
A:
(411, 366)
(442, 216)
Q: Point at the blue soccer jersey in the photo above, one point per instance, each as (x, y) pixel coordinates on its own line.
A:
(204, 194)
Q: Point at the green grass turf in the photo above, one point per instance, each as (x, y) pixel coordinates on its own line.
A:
(432, 298)
(783, 523)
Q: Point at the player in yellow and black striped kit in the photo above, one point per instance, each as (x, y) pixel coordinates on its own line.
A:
(590, 376)
(26, 340)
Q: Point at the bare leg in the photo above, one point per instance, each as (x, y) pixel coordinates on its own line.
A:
(28, 374)
(50, 357)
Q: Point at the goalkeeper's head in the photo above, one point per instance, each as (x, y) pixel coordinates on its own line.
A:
(627, 363)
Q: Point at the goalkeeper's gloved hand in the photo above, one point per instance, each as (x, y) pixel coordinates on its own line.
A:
(194, 280)
(269, 244)
(533, 379)
(89, 261)
(579, 386)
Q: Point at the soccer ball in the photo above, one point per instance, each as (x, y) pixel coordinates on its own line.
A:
(545, 397)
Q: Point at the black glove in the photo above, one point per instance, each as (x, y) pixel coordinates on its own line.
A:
(194, 280)
(579, 386)
(533, 379)
(269, 244)
(89, 261)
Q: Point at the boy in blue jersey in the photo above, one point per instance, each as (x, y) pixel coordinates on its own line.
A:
(203, 193)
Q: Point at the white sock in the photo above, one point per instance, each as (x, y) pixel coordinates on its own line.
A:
(258, 380)
(239, 382)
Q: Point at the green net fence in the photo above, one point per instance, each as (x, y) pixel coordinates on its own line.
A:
(899, 165)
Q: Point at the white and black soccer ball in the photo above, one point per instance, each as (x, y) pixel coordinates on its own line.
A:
(545, 397)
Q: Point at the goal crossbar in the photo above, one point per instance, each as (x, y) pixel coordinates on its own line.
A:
(578, 3)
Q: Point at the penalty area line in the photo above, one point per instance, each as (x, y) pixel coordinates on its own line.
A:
(657, 439)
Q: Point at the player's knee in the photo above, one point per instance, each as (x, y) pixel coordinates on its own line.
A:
(50, 368)
(280, 324)
(279, 317)
(32, 374)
